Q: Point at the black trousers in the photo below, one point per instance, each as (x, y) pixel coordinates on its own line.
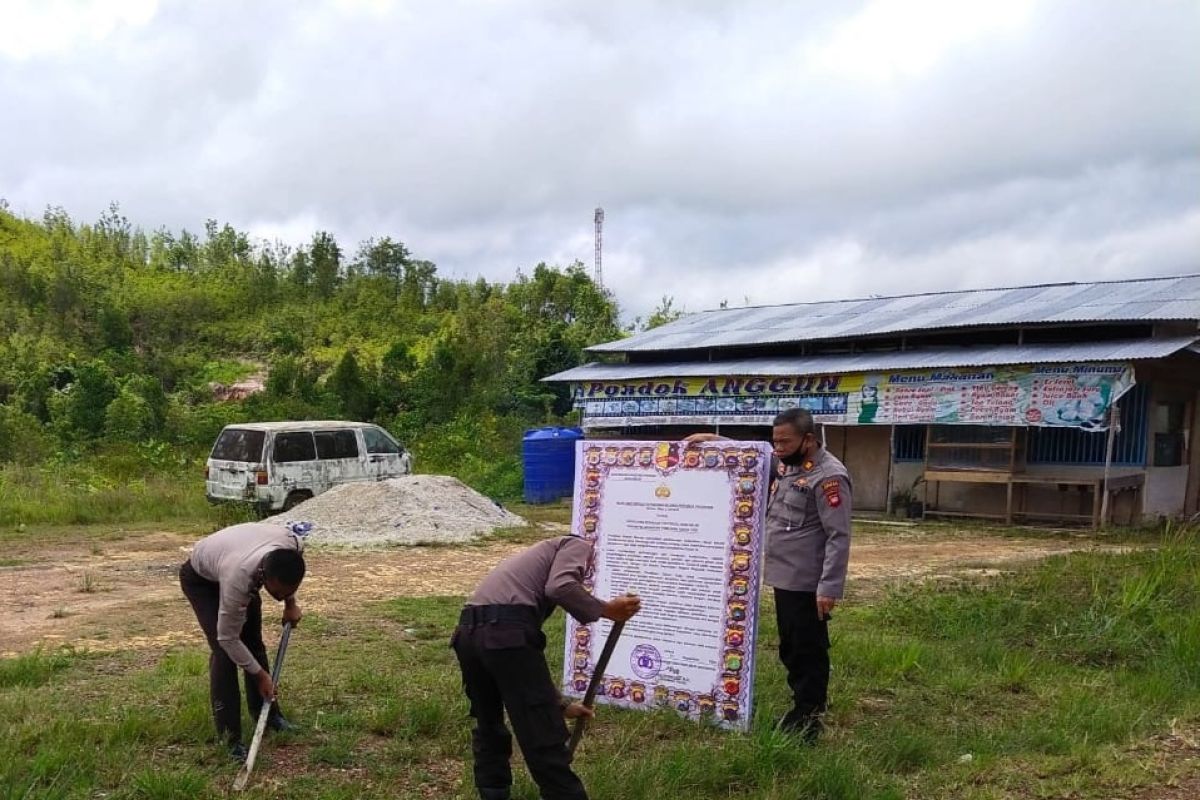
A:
(501, 652)
(205, 597)
(804, 651)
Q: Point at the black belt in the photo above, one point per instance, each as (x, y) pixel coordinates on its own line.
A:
(483, 615)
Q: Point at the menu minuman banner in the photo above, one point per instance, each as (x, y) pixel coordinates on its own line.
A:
(682, 527)
(1072, 396)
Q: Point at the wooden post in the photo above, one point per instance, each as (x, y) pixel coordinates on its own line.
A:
(891, 459)
(1113, 424)
(1012, 467)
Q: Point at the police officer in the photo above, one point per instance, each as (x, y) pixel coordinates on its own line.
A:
(500, 648)
(221, 580)
(808, 549)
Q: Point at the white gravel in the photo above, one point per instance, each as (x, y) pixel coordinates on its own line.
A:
(414, 509)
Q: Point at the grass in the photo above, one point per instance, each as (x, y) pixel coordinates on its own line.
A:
(1046, 682)
(80, 495)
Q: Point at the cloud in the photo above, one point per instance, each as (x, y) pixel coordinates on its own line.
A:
(738, 149)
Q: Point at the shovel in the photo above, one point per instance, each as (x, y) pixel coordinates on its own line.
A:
(243, 775)
(589, 697)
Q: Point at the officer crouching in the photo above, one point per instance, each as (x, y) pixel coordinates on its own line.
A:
(501, 651)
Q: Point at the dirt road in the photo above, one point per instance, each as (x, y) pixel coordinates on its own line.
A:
(104, 594)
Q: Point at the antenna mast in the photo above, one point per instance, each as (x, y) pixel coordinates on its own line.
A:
(599, 242)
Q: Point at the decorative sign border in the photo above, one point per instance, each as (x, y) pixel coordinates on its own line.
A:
(728, 702)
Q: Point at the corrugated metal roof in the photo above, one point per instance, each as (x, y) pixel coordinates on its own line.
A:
(837, 364)
(1149, 299)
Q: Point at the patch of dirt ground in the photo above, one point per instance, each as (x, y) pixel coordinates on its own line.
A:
(1175, 755)
(125, 593)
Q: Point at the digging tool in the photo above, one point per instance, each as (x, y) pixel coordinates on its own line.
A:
(589, 697)
(243, 775)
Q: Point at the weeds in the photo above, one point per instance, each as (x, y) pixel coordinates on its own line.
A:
(1033, 684)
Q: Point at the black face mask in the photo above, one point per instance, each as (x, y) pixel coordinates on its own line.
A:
(797, 458)
(794, 460)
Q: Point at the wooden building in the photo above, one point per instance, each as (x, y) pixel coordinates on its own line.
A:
(1069, 402)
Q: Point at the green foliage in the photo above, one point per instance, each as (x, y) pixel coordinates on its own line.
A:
(32, 669)
(110, 335)
(78, 410)
(128, 418)
(351, 388)
(664, 313)
(476, 449)
(22, 439)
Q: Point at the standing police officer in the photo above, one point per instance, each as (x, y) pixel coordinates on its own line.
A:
(500, 648)
(808, 549)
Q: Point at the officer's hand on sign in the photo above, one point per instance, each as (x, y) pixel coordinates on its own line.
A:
(577, 710)
(620, 609)
(825, 606)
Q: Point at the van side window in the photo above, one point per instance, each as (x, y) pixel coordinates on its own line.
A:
(379, 442)
(239, 444)
(296, 446)
(336, 444)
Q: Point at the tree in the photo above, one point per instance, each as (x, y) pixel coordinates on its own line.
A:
(128, 418)
(418, 284)
(301, 274)
(351, 388)
(22, 439)
(326, 264)
(396, 370)
(383, 259)
(78, 411)
(666, 312)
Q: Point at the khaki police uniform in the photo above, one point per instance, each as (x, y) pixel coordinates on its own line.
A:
(222, 580)
(501, 651)
(808, 548)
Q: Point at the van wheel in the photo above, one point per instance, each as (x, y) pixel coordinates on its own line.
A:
(294, 499)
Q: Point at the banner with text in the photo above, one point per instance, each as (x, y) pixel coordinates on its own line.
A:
(682, 528)
(1051, 395)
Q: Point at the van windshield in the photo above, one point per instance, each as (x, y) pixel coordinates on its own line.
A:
(239, 444)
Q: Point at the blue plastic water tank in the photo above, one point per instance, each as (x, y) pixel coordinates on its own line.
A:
(549, 458)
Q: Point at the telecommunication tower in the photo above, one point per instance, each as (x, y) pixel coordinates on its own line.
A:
(599, 242)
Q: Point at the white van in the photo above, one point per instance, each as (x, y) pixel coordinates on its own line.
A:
(276, 465)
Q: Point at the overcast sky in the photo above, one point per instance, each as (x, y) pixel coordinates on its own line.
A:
(743, 151)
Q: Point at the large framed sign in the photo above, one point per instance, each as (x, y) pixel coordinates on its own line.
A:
(681, 526)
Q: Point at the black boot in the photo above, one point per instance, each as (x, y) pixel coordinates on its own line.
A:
(504, 793)
(807, 726)
(280, 724)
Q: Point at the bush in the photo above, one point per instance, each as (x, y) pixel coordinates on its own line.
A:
(22, 438)
(128, 418)
(482, 450)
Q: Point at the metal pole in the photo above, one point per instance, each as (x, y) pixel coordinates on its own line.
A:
(1114, 424)
(243, 775)
(589, 697)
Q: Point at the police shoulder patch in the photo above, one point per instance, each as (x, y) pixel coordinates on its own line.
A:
(833, 492)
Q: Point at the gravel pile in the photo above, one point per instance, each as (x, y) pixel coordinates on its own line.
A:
(408, 510)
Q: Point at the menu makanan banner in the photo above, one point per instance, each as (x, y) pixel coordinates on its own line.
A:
(1051, 395)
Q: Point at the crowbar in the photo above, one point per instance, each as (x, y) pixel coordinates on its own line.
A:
(243, 775)
(589, 697)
